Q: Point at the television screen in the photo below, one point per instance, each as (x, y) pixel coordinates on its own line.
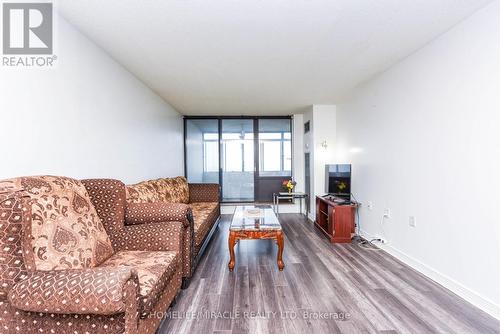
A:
(338, 180)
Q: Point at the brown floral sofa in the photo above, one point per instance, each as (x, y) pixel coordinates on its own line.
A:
(197, 205)
(68, 264)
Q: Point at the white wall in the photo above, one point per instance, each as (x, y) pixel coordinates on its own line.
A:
(88, 117)
(325, 130)
(323, 126)
(298, 151)
(424, 140)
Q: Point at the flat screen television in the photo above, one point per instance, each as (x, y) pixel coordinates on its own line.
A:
(338, 180)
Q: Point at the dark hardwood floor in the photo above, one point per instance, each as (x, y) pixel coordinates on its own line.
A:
(324, 288)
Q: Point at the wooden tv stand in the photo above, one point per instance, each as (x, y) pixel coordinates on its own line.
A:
(335, 220)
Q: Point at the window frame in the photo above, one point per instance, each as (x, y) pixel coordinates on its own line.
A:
(257, 174)
(282, 141)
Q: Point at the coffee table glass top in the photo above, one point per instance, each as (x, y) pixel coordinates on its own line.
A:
(254, 218)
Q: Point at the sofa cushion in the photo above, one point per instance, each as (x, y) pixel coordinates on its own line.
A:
(100, 290)
(143, 192)
(204, 215)
(65, 230)
(154, 269)
(171, 190)
(174, 190)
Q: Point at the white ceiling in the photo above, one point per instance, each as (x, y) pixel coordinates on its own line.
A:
(239, 57)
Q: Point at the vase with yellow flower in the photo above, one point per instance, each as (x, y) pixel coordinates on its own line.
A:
(289, 185)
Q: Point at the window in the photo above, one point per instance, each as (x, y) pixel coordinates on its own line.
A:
(247, 156)
(275, 147)
(238, 152)
(202, 150)
(210, 152)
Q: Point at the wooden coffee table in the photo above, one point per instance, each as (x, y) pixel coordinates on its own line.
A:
(255, 223)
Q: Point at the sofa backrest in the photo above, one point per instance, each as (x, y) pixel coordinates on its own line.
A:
(109, 199)
(64, 230)
(171, 190)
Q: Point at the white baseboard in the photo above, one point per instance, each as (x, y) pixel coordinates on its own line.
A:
(469, 295)
(466, 293)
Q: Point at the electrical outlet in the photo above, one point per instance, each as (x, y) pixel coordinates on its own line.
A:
(369, 205)
(412, 221)
(387, 213)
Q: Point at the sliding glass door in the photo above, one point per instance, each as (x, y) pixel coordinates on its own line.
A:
(249, 157)
(274, 156)
(238, 165)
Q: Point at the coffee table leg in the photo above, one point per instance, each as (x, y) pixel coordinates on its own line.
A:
(231, 242)
(281, 244)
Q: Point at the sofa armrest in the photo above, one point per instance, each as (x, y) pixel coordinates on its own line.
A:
(102, 291)
(161, 236)
(204, 192)
(140, 213)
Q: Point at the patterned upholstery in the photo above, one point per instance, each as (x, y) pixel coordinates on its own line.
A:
(204, 192)
(154, 269)
(150, 323)
(51, 301)
(143, 203)
(65, 230)
(13, 320)
(170, 190)
(80, 291)
(143, 192)
(109, 198)
(204, 214)
(151, 237)
(140, 213)
(14, 213)
(204, 200)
